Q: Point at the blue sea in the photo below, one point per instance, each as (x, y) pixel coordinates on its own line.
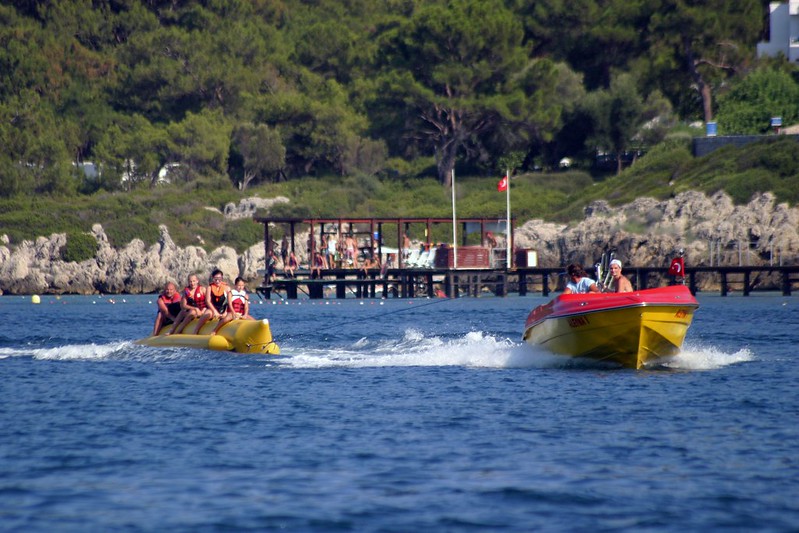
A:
(393, 416)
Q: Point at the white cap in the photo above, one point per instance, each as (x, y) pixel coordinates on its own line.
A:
(615, 262)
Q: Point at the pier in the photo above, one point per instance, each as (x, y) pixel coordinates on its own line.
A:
(472, 269)
(414, 283)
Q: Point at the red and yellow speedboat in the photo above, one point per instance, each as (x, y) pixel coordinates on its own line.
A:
(632, 328)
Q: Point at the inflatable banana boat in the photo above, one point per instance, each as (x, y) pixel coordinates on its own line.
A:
(239, 335)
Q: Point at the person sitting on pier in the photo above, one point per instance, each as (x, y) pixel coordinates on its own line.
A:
(291, 266)
(317, 264)
(619, 283)
(240, 300)
(366, 265)
(168, 307)
(579, 282)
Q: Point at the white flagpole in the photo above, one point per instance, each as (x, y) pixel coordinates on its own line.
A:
(508, 261)
(454, 226)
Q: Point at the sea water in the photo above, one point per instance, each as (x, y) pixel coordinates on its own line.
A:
(393, 415)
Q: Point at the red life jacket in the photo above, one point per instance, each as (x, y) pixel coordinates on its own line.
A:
(238, 300)
(197, 299)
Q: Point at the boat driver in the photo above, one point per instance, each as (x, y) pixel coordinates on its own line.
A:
(579, 282)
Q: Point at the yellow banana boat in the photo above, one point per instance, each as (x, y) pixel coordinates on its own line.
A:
(632, 328)
(239, 335)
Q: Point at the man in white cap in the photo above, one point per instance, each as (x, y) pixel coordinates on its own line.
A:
(619, 283)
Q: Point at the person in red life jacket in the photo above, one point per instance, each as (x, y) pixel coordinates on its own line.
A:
(192, 304)
(619, 282)
(168, 307)
(240, 300)
(217, 300)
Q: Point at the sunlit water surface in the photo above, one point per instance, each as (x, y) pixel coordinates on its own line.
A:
(395, 415)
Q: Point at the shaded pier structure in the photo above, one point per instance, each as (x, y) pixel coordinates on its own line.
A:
(474, 268)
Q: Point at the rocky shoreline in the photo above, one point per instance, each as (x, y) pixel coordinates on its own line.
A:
(646, 232)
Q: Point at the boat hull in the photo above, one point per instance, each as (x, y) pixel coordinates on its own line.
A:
(631, 329)
(240, 336)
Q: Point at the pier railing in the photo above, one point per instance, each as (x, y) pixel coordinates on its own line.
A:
(413, 283)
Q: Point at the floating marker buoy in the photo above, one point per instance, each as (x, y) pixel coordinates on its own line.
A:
(35, 299)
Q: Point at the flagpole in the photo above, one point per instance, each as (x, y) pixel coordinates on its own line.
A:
(508, 262)
(454, 226)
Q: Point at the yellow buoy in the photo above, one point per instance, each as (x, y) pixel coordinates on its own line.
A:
(35, 299)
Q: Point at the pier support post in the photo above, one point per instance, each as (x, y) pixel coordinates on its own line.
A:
(291, 290)
(341, 287)
(523, 284)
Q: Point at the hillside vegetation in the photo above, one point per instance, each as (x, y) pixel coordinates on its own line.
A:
(362, 108)
(770, 165)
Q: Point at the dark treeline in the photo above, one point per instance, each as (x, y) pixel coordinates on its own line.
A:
(248, 91)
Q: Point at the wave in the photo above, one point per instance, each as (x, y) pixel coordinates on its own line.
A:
(115, 351)
(480, 350)
(475, 349)
(696, 357)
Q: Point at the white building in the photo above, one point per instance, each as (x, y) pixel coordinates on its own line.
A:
(783, 30)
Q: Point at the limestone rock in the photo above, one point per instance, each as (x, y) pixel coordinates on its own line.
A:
(644, 232)
(247, 207)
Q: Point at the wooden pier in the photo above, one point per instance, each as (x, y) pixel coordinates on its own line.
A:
(454, 283)
(474, 267)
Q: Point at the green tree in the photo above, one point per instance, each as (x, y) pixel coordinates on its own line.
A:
(749, 105)
(201, 142)
(132, 151)
(617, 115)
(260, 151)
(462, 73)
(701, 43)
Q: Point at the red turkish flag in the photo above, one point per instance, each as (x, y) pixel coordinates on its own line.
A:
(677, 267)
(502, 186)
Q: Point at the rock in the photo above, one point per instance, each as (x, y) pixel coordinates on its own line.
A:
(247, 207)
(644, 232)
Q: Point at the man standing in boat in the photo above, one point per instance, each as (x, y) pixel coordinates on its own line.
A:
(619, 283)
(579, 282)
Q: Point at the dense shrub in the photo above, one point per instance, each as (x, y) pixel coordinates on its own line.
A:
(79, 247)
(241, 234)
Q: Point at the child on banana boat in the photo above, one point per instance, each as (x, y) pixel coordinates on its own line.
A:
(240, 300)
(192, 303)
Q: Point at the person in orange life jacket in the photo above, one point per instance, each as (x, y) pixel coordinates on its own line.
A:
(217, 299)
(168, 307)
(192, 304)
(240, 301)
